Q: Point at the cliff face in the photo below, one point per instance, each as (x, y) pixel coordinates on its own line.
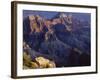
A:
(63, 39)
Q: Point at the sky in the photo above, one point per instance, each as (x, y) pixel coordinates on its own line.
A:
(50, 14)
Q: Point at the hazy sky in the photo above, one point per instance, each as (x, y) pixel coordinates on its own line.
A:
(49, 14)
